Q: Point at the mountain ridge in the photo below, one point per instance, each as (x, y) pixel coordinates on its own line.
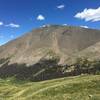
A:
(65, 41)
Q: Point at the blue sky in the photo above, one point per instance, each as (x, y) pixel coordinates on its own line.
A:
(20, 16)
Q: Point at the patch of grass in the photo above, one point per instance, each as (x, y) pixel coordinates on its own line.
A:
(85, 87)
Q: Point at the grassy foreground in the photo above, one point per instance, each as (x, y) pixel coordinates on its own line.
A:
(86, 87)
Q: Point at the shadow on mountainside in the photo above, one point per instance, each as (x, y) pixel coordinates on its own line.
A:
(43, 70)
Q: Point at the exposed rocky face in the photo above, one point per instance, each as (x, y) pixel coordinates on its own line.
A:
(65, 42)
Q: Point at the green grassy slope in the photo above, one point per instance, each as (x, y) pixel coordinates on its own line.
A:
(86, 87)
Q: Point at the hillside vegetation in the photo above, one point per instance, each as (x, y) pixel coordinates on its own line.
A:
(47, 69)
(82, 87)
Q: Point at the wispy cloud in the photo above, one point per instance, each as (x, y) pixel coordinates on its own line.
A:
(1, 23)
(89, 14)
(61, 6)
(40, 17)
(84, 26)
(13, 25)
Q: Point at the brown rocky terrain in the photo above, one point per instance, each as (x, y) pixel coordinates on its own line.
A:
(64, 41)
(36, 49)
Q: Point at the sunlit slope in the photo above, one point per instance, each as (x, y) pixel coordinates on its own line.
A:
(72, 88)
(65, 41)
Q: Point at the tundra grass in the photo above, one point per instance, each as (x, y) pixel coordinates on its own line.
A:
(85, 87)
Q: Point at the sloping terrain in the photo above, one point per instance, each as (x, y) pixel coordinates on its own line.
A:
(72, 88)
(65, 41)
(34, 66)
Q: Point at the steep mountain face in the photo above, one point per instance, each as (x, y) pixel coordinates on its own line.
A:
(63, 41)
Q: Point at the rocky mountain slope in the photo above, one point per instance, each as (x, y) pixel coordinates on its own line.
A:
(63, 41)
(51, 52)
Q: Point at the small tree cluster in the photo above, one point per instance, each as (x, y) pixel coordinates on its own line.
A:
(83, 63)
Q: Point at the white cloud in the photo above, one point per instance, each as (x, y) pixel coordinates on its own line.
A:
(61, 6)
(43, 26)
(1, 23)
(13, 25)
(48, 25)
(89, 14)
(64, 24)
(84, 26)
(40, 17)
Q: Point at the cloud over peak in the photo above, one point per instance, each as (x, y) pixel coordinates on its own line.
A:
(89, 14)
(84, 26)
(40, 17)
